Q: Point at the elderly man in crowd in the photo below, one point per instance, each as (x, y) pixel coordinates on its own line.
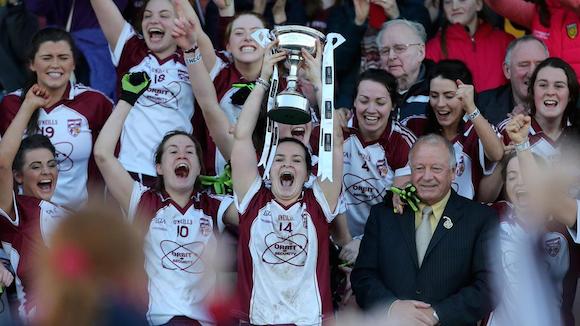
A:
(402, 48)
(521, 58)
(430, 266)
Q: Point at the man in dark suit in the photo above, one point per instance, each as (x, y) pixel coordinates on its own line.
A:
(430, 266)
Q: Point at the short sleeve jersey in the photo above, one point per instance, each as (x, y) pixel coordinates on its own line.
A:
(370, 169)
(72, 124)
(472, 164)
(24, 237)
(540, 143)
(166, 105)
(283, 269)
(179, 246)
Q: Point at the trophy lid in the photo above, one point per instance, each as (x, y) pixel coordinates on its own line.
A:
(295, 37)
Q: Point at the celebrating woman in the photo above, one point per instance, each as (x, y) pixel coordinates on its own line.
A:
(452, 113)
(178, 221)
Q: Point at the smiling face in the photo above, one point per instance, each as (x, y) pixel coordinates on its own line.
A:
(180, 165)
(240, 42)
(288, 172)
(447, 108)
(430, 171)
(157, 25)
(299, 132)
(524, 58)
(39, 173)
(462, 12)
(373, 107)
(407, 63)
(53, 64)
(551, 94)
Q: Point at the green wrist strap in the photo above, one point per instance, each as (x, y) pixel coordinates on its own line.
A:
(408, 195)
(222, 184)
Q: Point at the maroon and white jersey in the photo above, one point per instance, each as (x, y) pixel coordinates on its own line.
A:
(527, 295)
(540, 143)
(72, 124)
(24, 237)
(472, 164)
(370, 169)
(283, 259)
(179, 245)
(165, 106)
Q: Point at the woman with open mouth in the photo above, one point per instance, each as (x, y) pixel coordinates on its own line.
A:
(451, 112)
(28, 219)
(533, 289)
(72, 119)
(284, 236)
(179, 222)
(168, 104)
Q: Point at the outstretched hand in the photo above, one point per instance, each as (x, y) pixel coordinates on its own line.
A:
(313, 65)
(271, 59)
(466, 94)
(186, 29)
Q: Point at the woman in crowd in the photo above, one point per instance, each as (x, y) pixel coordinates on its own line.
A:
(528, 292)
(452, 113)
(168, 103)
(72, 119)
(466, 37)
(27, 220)
(178, 221)
(375, 152)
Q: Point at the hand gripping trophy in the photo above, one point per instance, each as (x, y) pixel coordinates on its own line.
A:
(290, 106)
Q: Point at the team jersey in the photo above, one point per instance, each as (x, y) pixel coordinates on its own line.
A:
(72, 125)
(179, 245)
(540, 143)
(370, 168)
(537, 287)
(24, 237)
(165, 106)
(283, 258)
(472, 164)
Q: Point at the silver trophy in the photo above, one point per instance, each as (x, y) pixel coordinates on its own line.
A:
(291, 107)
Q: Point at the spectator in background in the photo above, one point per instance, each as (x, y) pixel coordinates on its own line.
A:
(466, 37)
(78, 18)
(381, 11)
(521, 58)
(402, 48)
(18, 26)
(93, 273)
(555, 22)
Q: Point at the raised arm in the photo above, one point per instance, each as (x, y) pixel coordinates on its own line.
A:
(492, 145)
(186, 13)
(216, 120)
(244, 160)
(110, 19)
(36, 98)
(518, 11)
(117, 179)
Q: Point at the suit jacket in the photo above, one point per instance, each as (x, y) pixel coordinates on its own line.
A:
(454, 276)
(495, 104)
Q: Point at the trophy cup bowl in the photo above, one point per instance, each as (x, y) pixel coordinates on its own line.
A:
(291, 107)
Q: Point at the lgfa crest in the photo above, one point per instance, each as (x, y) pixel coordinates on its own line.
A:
(74, 126)
(572, 30)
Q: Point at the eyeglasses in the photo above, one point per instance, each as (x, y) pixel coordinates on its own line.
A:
(397, 48)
